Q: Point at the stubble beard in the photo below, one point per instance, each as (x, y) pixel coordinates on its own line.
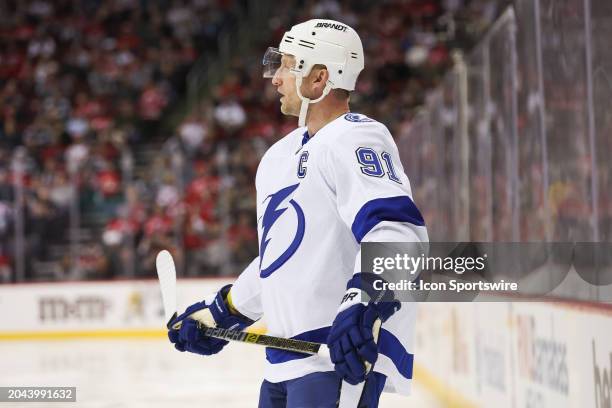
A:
(289, 109)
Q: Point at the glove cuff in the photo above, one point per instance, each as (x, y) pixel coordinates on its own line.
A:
(365, 282)
(385, 309)
(221, 313)
(360, 288)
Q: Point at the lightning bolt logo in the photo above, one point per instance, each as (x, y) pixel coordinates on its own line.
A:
(271, 215)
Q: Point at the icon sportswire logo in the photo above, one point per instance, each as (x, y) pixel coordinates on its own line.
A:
(271, 215)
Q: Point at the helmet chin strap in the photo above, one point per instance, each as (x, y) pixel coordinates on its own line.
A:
(306, 101)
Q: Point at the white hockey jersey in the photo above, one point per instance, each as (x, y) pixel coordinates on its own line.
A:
(317, 199)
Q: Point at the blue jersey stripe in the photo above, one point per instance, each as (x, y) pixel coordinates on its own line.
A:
(391, 347)
(400, 208)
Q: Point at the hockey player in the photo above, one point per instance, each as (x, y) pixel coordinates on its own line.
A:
(324, 188)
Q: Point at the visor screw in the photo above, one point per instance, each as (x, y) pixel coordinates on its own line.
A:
(301, 61)
(340, 71)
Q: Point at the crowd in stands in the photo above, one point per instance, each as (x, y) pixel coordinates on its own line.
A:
(85, 86)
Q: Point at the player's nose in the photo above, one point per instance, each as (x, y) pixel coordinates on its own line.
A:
(276, 80)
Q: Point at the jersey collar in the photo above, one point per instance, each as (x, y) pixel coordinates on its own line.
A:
(305, 138)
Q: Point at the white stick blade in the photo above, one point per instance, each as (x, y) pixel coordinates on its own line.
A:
(166, 273)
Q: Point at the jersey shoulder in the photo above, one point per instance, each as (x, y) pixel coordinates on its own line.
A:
(355, 129)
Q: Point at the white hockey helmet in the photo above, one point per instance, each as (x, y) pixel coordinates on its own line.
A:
(325, 42)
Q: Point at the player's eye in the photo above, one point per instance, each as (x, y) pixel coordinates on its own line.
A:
(272, 61)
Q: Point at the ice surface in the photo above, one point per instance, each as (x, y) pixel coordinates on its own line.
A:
(139, 373)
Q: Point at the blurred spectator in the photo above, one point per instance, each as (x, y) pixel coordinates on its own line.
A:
(240, 238)
(230, 115)
(6, 271)
(5, 220)
(108, 181)
(90, 263)
(192, 133)
(6, 188)
(167, 193)
(61, 193)
(151, 104)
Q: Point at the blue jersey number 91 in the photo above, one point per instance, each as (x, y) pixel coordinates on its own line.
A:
(372, 165)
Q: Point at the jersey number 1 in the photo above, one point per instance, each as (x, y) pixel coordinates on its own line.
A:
(371, 165)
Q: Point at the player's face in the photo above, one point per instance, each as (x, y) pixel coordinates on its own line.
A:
(284, 81)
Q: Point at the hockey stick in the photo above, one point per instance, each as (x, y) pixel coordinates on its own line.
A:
(350, 394)
(166, 273)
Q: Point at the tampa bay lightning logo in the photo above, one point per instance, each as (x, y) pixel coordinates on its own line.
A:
(271, 215)
(357, 117)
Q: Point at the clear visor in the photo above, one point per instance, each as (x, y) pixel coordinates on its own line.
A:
(271, 62)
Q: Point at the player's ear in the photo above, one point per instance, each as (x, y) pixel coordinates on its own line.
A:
(318, 77)
(322, 75)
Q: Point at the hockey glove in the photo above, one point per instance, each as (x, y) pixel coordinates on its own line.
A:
(350, 340)
(190, 337)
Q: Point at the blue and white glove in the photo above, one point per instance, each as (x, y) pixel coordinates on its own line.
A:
(190, 337)
(350, 340)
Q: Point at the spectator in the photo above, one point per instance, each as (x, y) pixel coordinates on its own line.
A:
(192, 133)
(230, 115)
(6, 271)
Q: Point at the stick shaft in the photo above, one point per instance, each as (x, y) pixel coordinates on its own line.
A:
(281, 343)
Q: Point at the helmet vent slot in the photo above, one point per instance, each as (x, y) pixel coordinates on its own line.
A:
(306, 44)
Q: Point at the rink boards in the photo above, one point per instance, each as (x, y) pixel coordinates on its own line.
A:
(123, 308)
(517, 354)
